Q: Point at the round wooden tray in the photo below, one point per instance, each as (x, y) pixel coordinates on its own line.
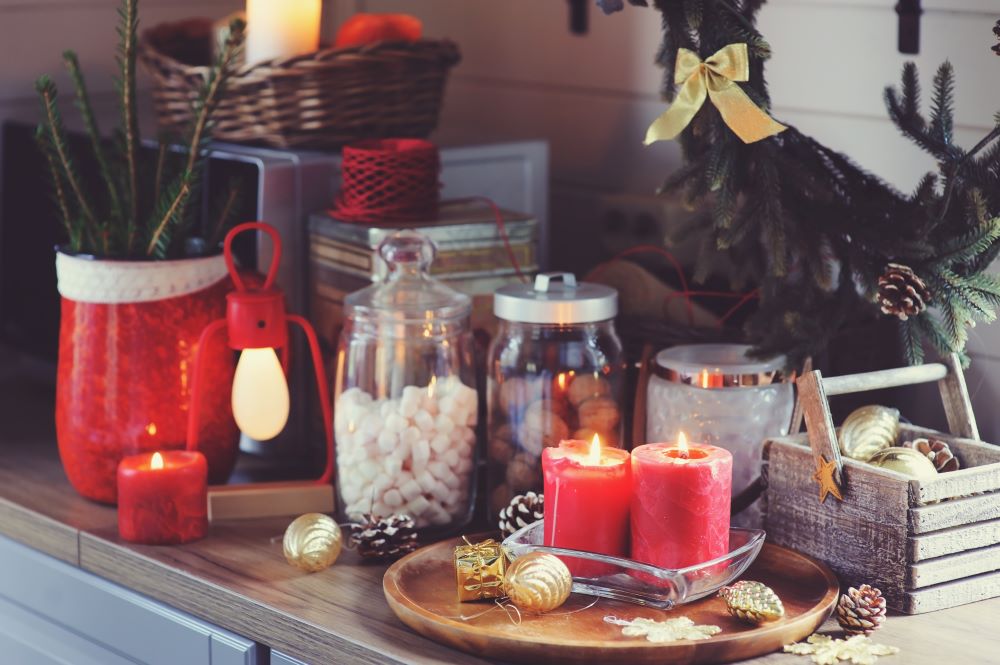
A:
(420, 589)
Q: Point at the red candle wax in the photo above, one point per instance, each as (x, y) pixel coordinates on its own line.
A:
(680, 503)
(163, 497)
(587, 493)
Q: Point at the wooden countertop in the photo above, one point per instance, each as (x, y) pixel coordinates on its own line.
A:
(237, 577)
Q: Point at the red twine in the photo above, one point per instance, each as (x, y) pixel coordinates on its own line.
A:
(389, 180)
(396, 180)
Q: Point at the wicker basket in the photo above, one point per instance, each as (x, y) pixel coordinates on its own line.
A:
(320, 100)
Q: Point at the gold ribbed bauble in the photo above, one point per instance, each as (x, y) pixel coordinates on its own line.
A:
(752, 602)
(906, 461)
(538, 582)
(313, 542)
(868, 430)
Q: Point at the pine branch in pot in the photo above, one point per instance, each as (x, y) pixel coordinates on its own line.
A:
(134, 298)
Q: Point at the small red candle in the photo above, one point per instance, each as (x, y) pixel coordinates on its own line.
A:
(680, 503)
(587, 494)
(163, 497)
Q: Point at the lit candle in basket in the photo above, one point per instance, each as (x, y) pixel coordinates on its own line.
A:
(163, 497)
(680, 503)
(278, 29)
(587, 494)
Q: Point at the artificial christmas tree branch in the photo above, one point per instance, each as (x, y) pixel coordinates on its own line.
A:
(821, 232)
(127, 32)
(128, 222)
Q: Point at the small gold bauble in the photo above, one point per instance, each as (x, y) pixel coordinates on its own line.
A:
(312, 542)
(868, 430)
(538, 582)
(906, 461)
(752, 602)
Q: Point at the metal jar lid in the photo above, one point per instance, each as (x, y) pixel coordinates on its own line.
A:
(714, 366)
(555, 298)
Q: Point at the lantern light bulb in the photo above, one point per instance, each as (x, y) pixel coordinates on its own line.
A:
(260, 394)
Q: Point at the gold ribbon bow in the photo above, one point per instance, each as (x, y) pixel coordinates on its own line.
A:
(715, 78)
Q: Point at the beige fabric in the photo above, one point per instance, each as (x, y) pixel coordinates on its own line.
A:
(113, 282)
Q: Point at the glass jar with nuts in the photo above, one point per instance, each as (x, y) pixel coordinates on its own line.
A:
(556, 371)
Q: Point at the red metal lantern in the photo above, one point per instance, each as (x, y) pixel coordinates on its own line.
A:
(256, 325)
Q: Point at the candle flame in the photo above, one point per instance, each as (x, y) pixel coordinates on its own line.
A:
(431, 385)
(561, 380)
(704, 378)
(682, 444)
(594, 458)
(157, 461)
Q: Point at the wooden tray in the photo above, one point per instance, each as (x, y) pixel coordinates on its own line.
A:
(420, 589)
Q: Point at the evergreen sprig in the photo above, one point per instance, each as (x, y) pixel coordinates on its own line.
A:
(818, 229)
(145, 212)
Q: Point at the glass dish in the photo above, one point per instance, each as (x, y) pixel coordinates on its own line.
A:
(644, 584)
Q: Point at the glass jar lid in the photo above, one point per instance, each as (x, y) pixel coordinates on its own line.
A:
(408, 292)
(556, 298)
(719, 366)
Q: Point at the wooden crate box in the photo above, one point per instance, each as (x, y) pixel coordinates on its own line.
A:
(927, 544)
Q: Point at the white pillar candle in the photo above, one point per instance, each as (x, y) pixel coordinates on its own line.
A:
(282, 28)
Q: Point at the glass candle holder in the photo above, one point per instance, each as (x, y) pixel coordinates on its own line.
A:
(717, 394)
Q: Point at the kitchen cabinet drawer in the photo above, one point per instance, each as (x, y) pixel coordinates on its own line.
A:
(48, 598)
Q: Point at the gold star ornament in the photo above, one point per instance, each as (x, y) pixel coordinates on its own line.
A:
(824, 476)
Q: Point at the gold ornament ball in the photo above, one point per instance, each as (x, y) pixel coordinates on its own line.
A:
(868, 430)
(538, 582)
(906, 461)
(313, 542)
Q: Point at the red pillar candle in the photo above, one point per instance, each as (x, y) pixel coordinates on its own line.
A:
(680, 503)
(163, 497)
(587, 494)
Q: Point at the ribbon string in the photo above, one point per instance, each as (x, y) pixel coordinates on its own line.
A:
(716, 79)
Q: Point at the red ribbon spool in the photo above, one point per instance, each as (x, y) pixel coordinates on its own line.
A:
(389, 180)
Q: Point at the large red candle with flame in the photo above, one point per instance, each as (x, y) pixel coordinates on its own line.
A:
(680, 503)
(587, 494)
(163, 497)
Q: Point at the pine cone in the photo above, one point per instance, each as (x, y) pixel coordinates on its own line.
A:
(524, 509)
(937, 451)
(996, 31)
(384, 539)
(861, 611)
(901, 293)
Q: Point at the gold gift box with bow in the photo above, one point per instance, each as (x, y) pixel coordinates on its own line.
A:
(479, 569)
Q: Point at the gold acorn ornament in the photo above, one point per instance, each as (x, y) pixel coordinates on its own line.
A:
(868, 430)
(752, 602)
(538, 582)
(312, 542)
(937, 451)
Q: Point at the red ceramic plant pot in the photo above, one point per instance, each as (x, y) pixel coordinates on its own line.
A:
(127, 341)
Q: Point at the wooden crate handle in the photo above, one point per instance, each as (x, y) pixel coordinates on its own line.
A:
(814, 404)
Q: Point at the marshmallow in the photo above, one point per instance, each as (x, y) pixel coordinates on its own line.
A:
(410, 490)
(438, 469)
(387, 441)
(417, 506)
(424, 421)
(392, 498)
(412, 454)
